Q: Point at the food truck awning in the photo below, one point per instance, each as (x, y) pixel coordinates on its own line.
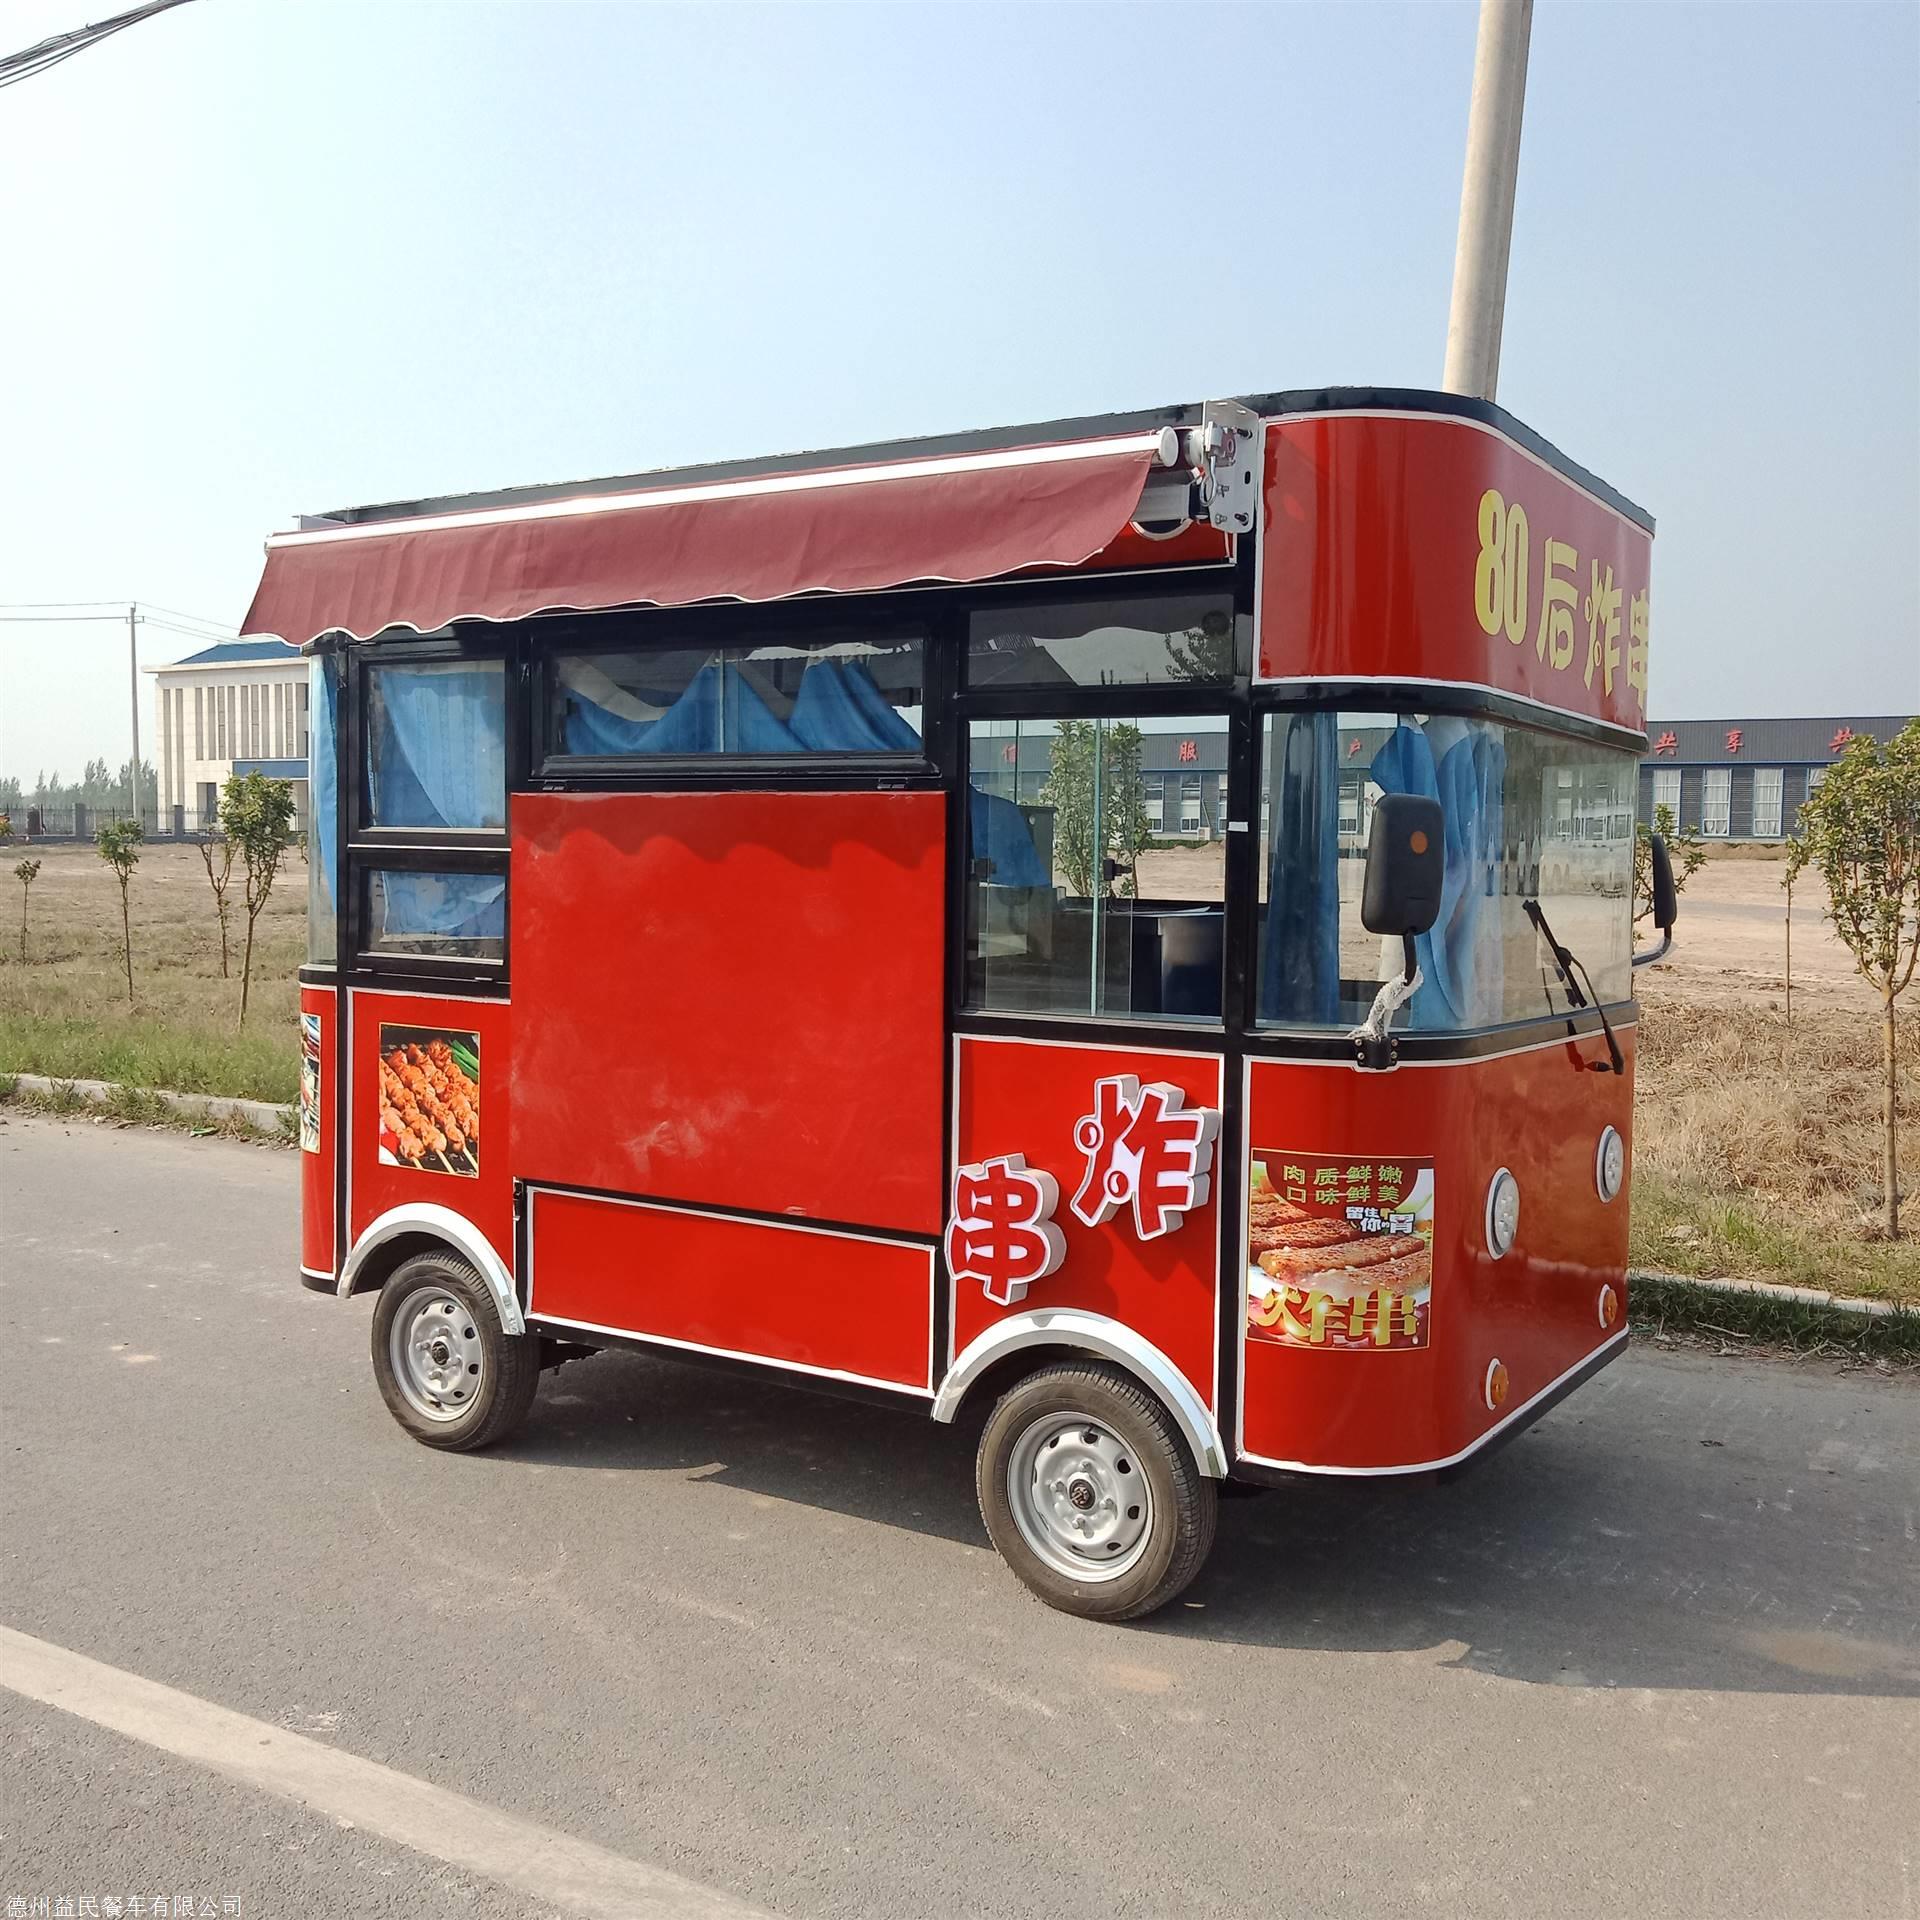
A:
(846, 529)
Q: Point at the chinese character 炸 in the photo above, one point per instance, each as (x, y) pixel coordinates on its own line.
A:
(1603, 627)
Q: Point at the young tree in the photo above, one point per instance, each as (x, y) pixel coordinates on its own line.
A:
(1684, 850)
(257, 816)
(27, 872)
(1860, 830)
(216, 855)
(1080, 847)
(119, 844)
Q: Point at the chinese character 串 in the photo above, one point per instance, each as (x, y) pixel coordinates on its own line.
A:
(1143, 1147)
(1003, 1233)
(1553, 641)
(1603, 626)
(1734, 737)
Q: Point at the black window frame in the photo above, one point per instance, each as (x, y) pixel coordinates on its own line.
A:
(1220, 700)
(366, 846)
(694, 629)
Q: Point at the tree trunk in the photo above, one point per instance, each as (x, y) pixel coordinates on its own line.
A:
(126, 940)
(226, 972)
(1889, 1037)
(246, 971)
(23, 926)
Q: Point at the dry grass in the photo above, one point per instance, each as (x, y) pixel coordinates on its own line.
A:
(1757, 1147)
(65, 1012)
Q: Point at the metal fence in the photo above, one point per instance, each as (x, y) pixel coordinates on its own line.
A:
(79, 822)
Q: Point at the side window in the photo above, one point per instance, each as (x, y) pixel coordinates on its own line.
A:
(842, 694)
(437, 745)
(1077, 903)
(427, 887)
(1529, 816)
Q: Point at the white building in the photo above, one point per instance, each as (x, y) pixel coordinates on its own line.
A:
(238, 707)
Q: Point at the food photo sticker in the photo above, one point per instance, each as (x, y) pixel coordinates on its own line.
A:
(430, 1100)
(309, 1083)
(1339, 1252)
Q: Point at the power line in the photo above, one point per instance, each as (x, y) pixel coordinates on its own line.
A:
(50, 52)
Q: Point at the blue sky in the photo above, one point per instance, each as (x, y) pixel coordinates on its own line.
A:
(267, 256)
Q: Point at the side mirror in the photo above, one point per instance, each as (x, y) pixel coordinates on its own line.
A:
(1406, 863)
(1666, 899)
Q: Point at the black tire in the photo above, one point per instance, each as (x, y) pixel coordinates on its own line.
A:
(1180, 1516)
(505, 1371)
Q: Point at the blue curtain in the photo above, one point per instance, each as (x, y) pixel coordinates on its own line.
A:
(1460, 957)
(719, 712)
(323, 776)
(827, 716)
(885, 718)
(997, 830)
(1300, 951)
(839, 709)
(459, 906)
(440, 747)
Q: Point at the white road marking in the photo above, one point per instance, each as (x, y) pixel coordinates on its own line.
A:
(551, 1867)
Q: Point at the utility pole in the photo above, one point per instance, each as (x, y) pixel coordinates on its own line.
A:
(133, 686)
(1486, 198)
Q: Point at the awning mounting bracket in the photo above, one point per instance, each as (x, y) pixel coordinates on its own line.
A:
(1224, 452)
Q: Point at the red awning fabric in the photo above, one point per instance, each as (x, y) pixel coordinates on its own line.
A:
(845, 530)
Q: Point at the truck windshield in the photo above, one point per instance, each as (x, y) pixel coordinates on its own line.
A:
(1530, 815)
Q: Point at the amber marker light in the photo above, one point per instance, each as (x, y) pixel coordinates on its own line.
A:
(1496, 1385)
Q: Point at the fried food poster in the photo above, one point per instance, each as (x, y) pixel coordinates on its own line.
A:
(430, 1100)
(1339, 1252)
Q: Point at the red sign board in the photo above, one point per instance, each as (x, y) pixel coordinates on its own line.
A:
(1424, 547)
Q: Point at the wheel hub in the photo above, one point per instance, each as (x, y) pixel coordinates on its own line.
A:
(1079, 1497)
(437, 1356)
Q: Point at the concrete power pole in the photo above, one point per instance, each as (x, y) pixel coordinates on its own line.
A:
(133, 682)
(1486, 198)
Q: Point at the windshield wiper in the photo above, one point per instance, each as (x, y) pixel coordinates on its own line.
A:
(1564, 963)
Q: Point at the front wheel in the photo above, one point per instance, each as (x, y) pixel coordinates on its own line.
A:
(448, 1371)
(1091, 1494)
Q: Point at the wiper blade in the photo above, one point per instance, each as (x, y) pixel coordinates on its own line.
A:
(1565, 963)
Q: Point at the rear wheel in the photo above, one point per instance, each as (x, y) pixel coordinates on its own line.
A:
(1091, 1494)
(448, 1371)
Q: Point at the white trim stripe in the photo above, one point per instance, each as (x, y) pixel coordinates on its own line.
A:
(581, 505)
(1415, 681)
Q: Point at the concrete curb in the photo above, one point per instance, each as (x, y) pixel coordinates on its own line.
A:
(1767, 1289)
(263, 1114)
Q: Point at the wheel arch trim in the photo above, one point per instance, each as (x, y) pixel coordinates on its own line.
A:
(1105, 1339)
(451, 1229)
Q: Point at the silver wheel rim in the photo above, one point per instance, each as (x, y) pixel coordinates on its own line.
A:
(1079, 1497)
(438, 1358)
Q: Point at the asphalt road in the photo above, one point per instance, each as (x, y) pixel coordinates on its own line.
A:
(1661, 1656)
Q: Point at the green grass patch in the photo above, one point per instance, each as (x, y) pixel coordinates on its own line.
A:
(1680, 1310)
(257, 1062)
(1690, 1230)
(139, 1107)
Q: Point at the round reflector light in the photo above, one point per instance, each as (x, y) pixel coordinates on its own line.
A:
(1610, 1163)
(1609, 1306)
(1503, 1213)
(1496, 1385)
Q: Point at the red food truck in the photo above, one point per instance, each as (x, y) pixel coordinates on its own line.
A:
(1120, 926)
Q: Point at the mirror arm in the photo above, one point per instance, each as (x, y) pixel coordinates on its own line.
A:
(1656, 953)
